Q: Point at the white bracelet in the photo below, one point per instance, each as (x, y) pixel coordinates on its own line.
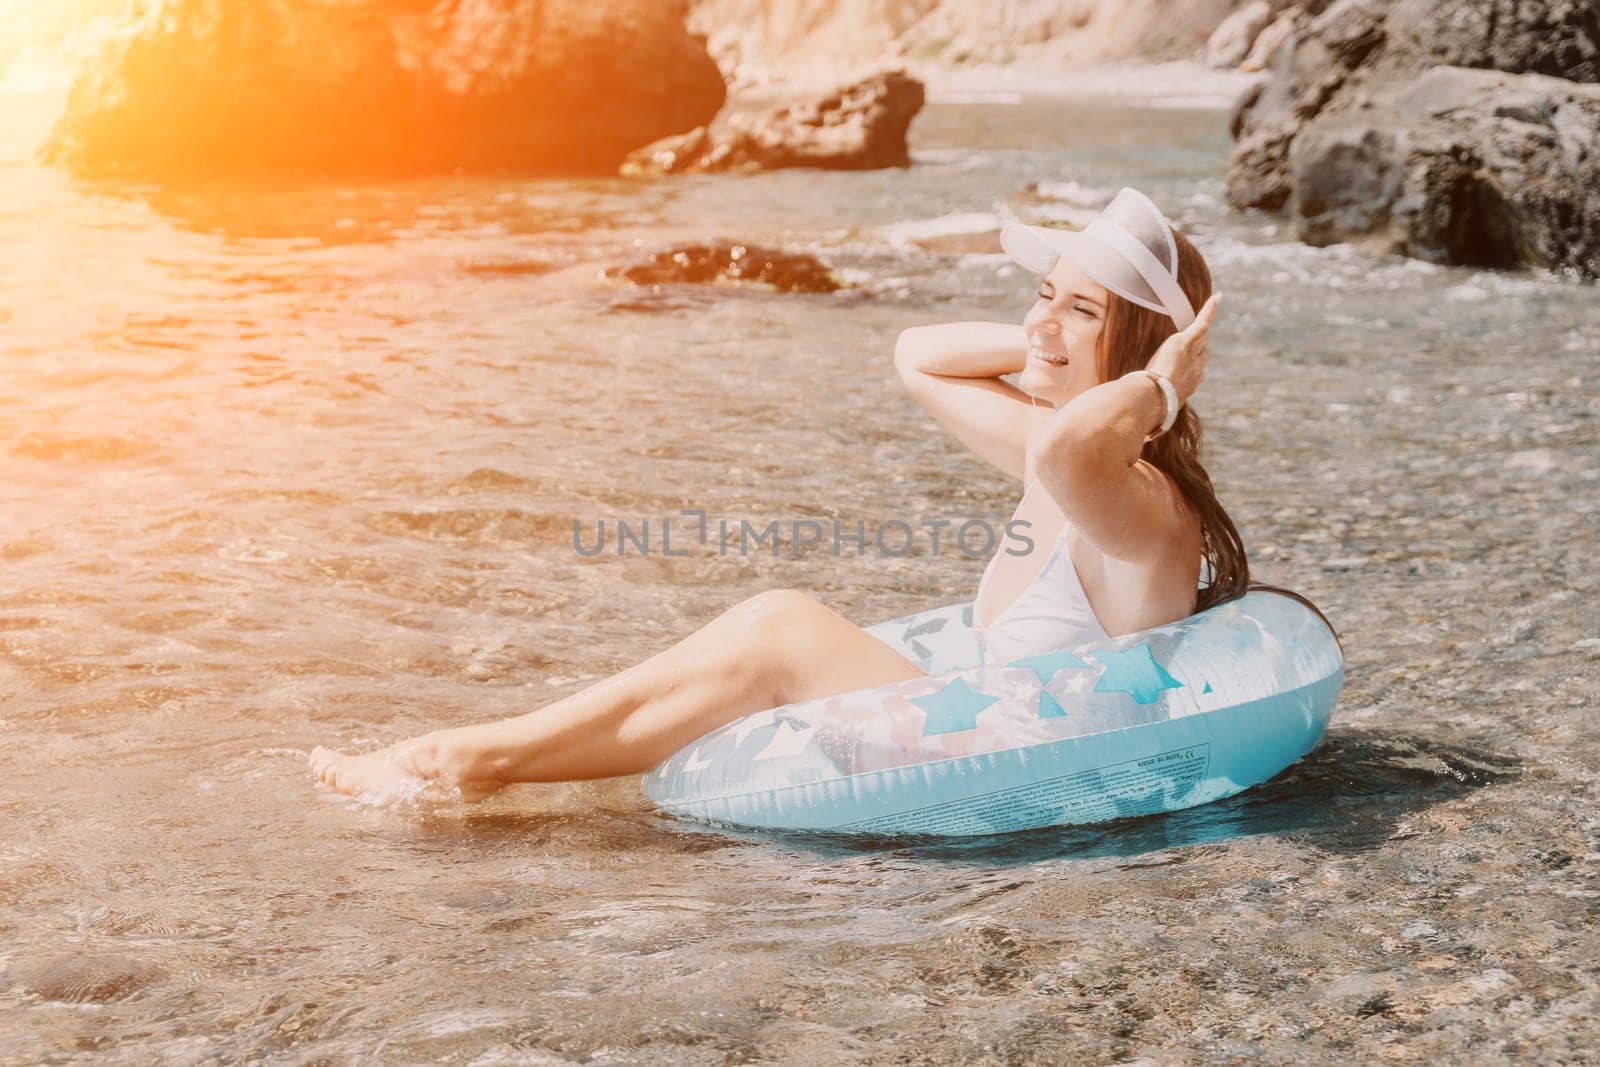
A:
(1168, 393)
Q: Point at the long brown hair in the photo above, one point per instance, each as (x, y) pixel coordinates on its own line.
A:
(1130, 336)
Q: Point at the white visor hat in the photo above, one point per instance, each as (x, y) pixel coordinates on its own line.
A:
(1128, 248)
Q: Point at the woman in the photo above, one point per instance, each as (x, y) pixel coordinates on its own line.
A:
(1095, 429)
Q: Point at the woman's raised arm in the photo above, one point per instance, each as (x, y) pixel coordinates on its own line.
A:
(1090, 450)
(953, 370)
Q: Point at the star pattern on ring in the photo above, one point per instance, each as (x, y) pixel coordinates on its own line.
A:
(1133, 671)
(1046, 664)
(1049, 707)
(953, 708)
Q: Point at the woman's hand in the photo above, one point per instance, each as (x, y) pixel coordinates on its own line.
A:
(1182, 358)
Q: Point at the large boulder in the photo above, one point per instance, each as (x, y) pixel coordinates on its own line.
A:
(1459, 166)
(201, 88)
(1309, 71)
(1560, 38)
(1334, 76)
(861, 126)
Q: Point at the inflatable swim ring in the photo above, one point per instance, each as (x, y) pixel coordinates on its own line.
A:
(1150, 722)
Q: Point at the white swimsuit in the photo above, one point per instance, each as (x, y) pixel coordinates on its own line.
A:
(1051, 612)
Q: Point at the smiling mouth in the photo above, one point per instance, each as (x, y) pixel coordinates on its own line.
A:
(1045, 357)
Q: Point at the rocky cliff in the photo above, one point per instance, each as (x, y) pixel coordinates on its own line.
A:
(757, 40)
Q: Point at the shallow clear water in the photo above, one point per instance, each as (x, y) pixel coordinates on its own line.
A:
(296, 465)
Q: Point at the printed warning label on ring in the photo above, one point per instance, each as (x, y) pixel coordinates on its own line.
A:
(1115, 791)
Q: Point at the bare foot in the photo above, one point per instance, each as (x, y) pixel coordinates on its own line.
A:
(378, 776)
(401, 771)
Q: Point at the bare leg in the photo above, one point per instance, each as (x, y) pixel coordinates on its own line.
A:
(775, 648)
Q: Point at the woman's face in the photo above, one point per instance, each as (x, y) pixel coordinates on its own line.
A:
(1063, 329)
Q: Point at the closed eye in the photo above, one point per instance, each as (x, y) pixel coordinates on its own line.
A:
(1085, 309)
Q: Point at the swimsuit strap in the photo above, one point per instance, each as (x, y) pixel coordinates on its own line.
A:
(1044, 568)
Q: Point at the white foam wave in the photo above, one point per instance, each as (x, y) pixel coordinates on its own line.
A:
(957, 222)
(1074, 193)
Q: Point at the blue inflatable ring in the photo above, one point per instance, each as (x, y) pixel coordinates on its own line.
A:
(1150, 722)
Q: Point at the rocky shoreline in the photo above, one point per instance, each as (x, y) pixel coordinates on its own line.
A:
(1453, 132)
